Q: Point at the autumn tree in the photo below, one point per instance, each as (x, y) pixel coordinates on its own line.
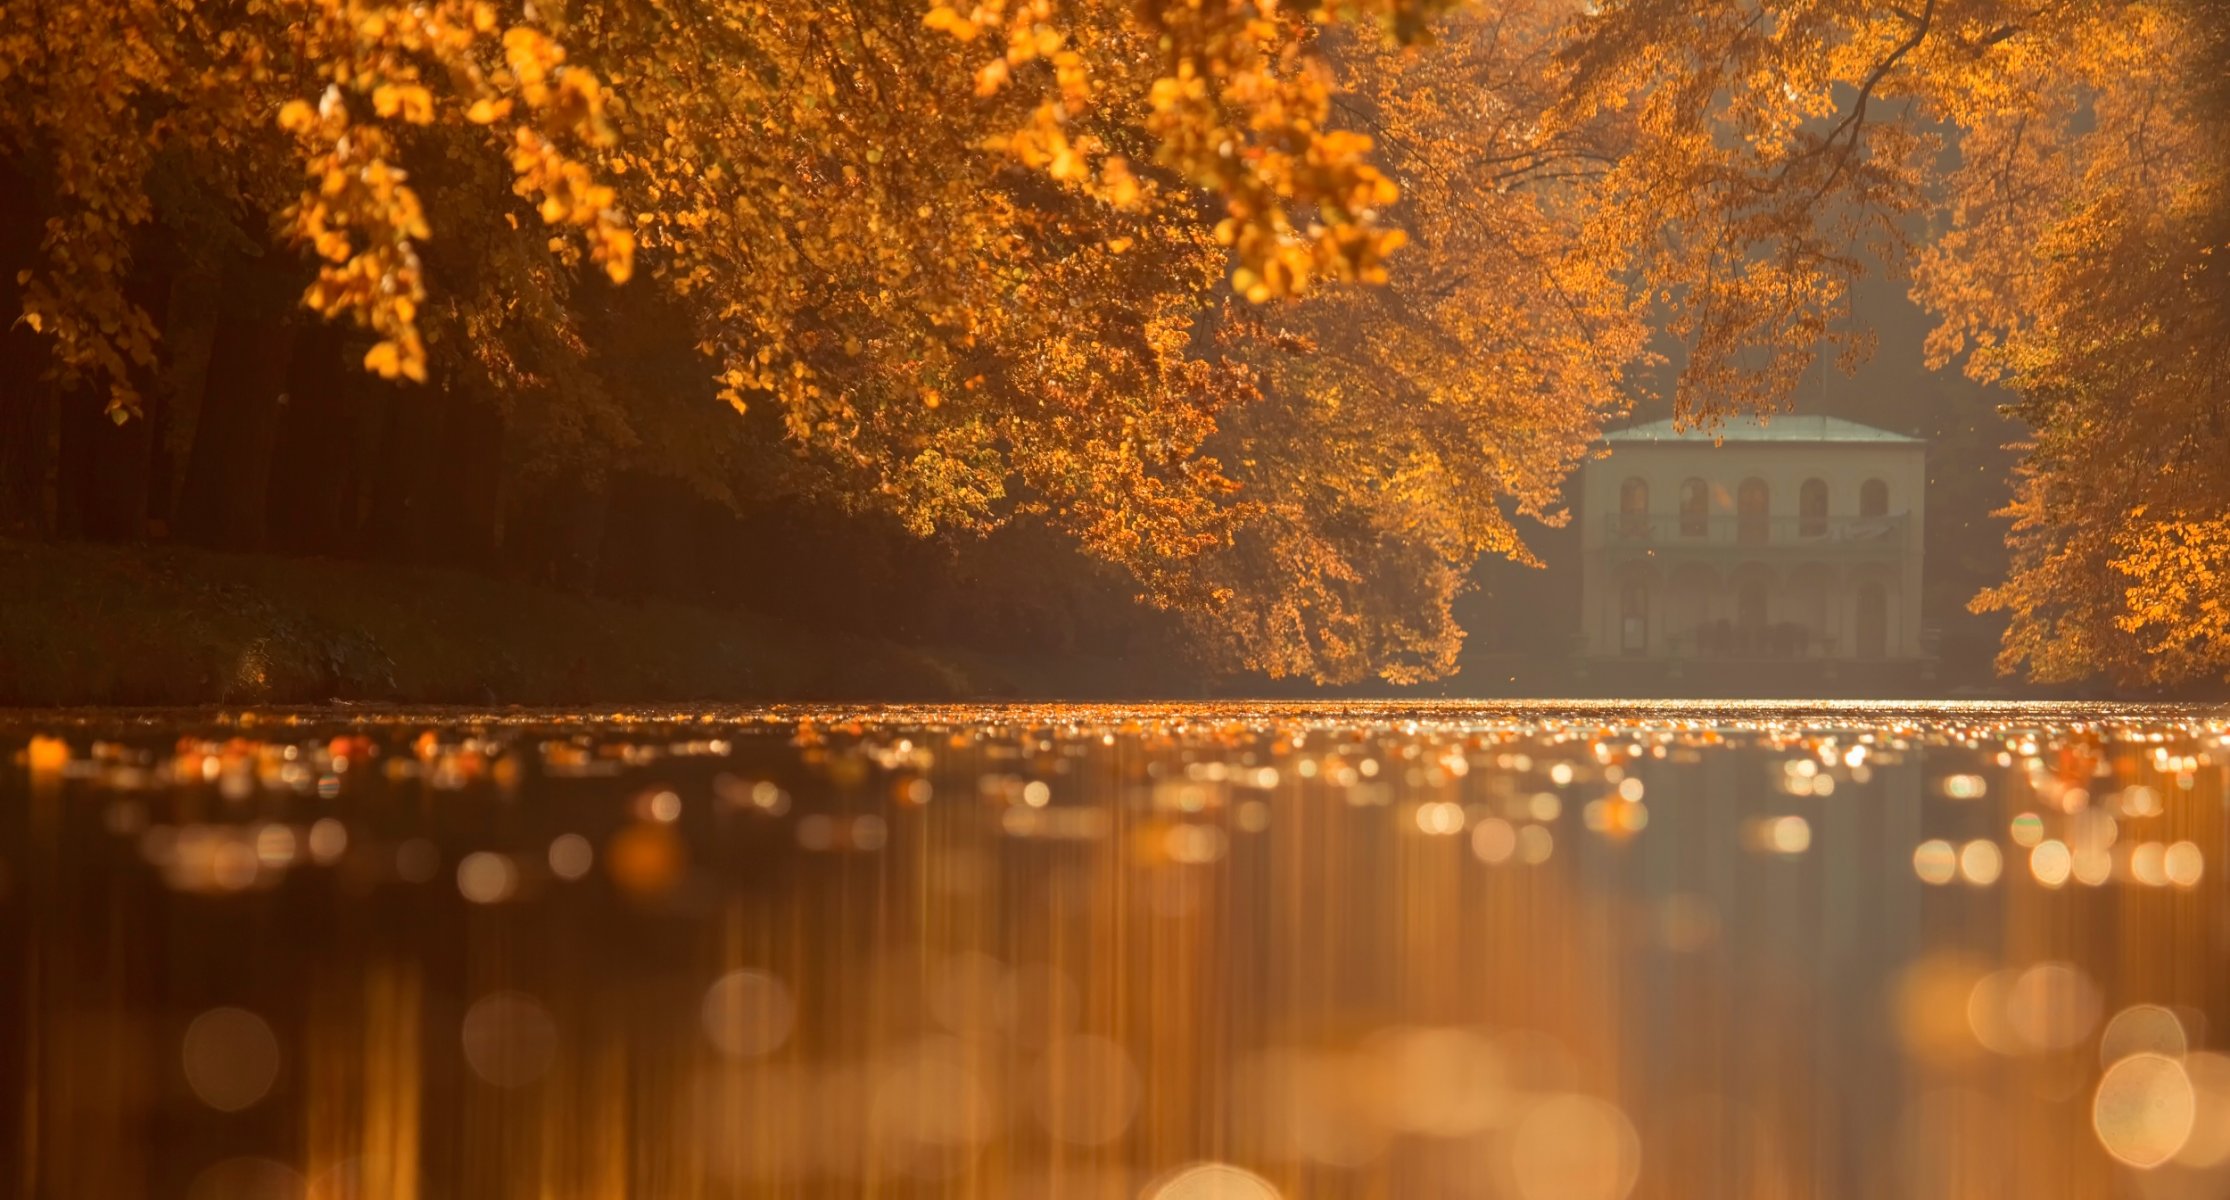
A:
(965, 260)
(2051, 178)
(1403, 428)
(2114, 330)
(1134, 274)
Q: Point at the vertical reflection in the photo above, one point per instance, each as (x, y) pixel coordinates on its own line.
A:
(1177, 952)
(362, 1087)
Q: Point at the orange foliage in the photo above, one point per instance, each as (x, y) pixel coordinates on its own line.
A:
(1081, 261)
(2069, 161)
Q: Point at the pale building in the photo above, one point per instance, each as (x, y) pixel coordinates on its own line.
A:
(1799, 538)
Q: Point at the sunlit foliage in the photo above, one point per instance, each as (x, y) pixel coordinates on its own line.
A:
(1404, 425)
(113, 104)
(1287, 312)
(2066, 165)
(971, 264)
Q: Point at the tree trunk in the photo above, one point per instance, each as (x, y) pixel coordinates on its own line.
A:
(396, 523)
(584, 509)
(102, 491)
(74, 464)
(26, 435)
(464, 509)
(26, 400)
(226, 494)
(312, 456)
(720, 575)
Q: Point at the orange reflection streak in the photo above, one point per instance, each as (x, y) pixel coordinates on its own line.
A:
(1181, 951)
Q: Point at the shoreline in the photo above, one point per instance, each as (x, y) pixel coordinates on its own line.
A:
(161, 626)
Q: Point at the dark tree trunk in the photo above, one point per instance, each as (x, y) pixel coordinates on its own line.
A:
(464, 507)
(553, 531)
(583, 511)
(26, 400)
(162, 466)
(124, 451)
(103, 488)
(720, 570)
(74, 464)
(312, 457)
(530, 532)
(646, 549)
(225, 497)
(400, 483)
(26, 437)
(367, 408)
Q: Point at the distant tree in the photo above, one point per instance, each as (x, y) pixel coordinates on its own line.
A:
(2067, 161)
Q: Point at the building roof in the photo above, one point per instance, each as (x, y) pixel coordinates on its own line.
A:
(1784, 428)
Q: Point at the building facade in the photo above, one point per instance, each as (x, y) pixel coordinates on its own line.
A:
(1794, 539)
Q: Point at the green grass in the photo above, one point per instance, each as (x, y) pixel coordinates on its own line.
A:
(163, 625)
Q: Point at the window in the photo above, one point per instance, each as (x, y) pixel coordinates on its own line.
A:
(1633, 508)
(1873, 620)
(1751, 502)
(1811, 509)
(1750, 605)
(1873, 499)
(1695, 508)
(1633, 617)
(1751, 637)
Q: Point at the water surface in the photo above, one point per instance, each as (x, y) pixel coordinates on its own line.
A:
(1538, 952)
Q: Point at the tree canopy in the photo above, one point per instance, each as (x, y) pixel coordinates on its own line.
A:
(1286, 312)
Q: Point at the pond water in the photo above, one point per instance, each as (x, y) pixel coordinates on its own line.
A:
(1184, 952)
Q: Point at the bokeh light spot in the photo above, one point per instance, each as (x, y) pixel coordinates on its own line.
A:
(246, 1178)
(485, 877)
(231, 1058)
(1935, 861)
(2052, 1006)
(571, 856)
(1980, 862)
(2142, 1029)
(2144, 1109)
(509, 1039)
(1575, 1147)
(747, 1013)
(1211, 1181)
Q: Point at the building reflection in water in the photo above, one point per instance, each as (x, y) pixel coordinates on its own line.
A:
(1183, 953)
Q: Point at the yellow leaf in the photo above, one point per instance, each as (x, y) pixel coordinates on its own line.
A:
(383, 360)
(948, 18)
(413, 103)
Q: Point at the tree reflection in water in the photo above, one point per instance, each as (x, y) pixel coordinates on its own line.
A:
(1182, 952)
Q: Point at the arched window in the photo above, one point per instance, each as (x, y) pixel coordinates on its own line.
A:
(1811, 509)
(1695, 508)
(1633, 508)
(1751, 502)
(1873, 498)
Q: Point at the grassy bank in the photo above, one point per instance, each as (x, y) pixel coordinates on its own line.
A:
(163, 625)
